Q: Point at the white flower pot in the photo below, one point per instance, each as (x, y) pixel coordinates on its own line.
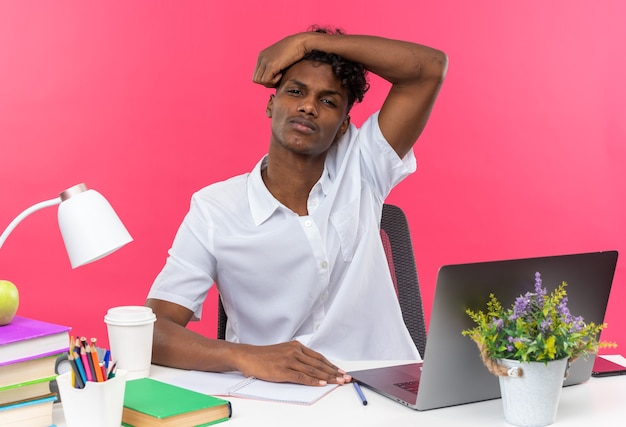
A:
(532, 399)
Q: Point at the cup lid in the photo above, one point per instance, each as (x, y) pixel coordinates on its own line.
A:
(130, 314)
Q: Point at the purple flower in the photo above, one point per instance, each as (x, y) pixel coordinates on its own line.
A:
(522, 303)
(538, 288)
(499, 324)
(563, 311)
(577, 324)
(539, 291)
(545, 325)
(511, 340)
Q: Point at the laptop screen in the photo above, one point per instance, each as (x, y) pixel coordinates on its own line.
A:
(452, 372)
(453, 359)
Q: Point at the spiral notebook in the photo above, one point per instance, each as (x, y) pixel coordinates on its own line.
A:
(234, 384)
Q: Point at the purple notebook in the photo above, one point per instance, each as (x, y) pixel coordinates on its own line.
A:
(25, 339)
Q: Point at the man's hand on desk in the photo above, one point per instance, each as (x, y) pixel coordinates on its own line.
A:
(290, 362)
(286, 362)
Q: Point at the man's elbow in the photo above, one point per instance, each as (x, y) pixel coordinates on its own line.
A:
(437, 67)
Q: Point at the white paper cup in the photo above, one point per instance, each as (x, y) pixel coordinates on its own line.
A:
(99, 404)
(130, 330)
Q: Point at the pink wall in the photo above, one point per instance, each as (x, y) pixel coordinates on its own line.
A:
(149, 101)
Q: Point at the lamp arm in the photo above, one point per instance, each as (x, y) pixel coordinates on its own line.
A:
(20, 217)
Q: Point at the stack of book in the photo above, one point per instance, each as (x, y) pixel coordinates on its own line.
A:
(28, 352)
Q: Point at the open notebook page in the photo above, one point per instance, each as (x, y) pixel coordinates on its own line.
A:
(236, 385)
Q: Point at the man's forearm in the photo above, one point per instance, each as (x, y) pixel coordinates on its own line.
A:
(394, 60)
(179, 347)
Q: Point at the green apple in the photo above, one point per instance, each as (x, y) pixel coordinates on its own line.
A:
(9, 300)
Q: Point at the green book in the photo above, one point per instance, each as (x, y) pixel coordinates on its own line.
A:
(149, 402)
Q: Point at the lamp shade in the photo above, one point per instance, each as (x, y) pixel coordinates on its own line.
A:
(90, 227)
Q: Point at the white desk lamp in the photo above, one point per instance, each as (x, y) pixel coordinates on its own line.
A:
(90, 227)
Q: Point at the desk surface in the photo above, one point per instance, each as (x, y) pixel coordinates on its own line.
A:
(597, 401)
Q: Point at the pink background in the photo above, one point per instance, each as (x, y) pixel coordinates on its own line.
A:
(148, 101)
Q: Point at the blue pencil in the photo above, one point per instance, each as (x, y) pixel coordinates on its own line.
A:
(79, 366)
(107, 357)
(357, 387)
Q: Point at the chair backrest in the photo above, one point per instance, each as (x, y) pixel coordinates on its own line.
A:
(394, 232)
(221, 320)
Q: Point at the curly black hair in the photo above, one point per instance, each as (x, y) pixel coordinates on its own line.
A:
(352, 75)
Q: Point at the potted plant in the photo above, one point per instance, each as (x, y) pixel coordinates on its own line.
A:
(530, 346)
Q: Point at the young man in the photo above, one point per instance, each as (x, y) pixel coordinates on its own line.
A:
(294, 246)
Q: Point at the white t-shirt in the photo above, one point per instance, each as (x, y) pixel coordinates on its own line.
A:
(322, 279)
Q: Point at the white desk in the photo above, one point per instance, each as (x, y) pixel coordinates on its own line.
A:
(599, 401)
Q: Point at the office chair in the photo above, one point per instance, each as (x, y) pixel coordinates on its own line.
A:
(394, 232)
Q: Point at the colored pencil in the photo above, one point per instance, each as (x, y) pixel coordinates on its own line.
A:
(87, 364)
(93, 353)
(79, 366)
(112, 371)
(357, 387)
(76, 374)
(107, 357)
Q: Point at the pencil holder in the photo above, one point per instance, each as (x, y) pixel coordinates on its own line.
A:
(98, 404)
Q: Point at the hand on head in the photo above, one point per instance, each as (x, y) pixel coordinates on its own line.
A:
(274, 59)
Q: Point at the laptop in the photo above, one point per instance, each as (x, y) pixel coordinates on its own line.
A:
(452, 372)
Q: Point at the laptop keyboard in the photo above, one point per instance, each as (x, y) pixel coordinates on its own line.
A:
(410, 386)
